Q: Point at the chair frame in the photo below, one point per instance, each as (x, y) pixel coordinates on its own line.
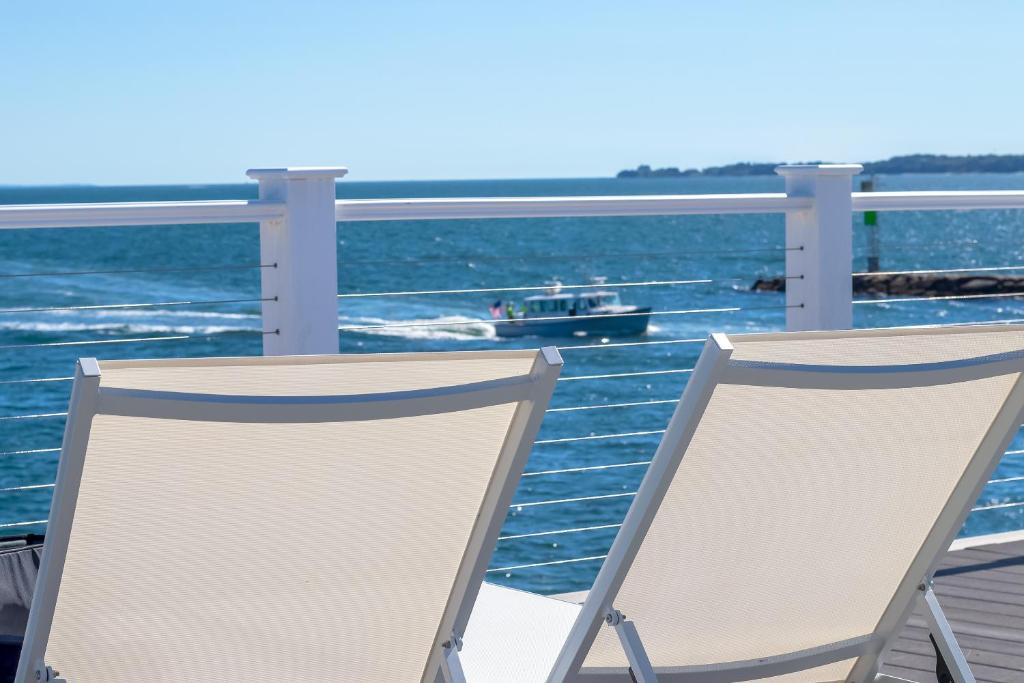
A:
(531, 392)
(714, 367)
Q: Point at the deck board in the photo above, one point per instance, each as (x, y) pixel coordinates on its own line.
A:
(981, 590)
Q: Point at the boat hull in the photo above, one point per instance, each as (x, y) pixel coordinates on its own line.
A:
(602, 325)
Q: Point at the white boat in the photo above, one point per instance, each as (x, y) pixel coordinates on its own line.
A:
(557, 313)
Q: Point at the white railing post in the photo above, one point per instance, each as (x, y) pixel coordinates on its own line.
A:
(819, 260)
(300, 307)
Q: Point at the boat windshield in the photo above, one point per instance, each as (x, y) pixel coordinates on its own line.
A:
(548, 306)
(602, 299)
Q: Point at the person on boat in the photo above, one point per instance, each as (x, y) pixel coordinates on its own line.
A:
(510, 310)
(495, 310)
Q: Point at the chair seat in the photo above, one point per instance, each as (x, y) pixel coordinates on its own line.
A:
(514, 636)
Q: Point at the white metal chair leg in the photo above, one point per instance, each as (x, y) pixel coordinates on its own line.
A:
(943, 637)
(451, 667)
(639, 664)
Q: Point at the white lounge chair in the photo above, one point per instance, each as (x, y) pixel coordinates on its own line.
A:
(791, 519)
(279, 519)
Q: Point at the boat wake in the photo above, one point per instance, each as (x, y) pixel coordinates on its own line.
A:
(447, 327)
(191, 322)
(134, 321)
(171, 313)
(121, 328)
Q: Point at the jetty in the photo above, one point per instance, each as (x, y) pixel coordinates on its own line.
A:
(912, 284)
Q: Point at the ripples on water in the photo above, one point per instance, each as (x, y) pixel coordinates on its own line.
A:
(399, 256)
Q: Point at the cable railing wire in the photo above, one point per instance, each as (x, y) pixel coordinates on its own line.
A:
(191, 269)
(27, 487)
(89, 342)
(908, 246)
(941, 271)
(950, 297)
(30, 451)
(34, 380)
(618, 345)
(534, 288)
(566, 501)
(1006, 321)
(575, 257)
(463, 323)
(481, 321)
(587, 468)
(602, 406)
(12, 525)
(619, 375)
(643, 463)
(31, 416)
(998, 506)
(598, 437)
(973, 323)
(126, 340)
(150, 304)
(593, 558)
(554, 532)
(1005, 480)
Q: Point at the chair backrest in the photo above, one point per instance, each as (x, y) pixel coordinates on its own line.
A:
(279, 518)
(806, 486)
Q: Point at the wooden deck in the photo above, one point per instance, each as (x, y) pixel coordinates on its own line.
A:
(981, 590)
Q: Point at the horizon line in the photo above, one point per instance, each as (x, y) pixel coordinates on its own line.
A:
(343, 181)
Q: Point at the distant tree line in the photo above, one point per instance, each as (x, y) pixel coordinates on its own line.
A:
(910, 163)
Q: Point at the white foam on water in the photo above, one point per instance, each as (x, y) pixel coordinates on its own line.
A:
(143, 313)
(133, 321)
(125, 328)
(160, 312)
(447, 327)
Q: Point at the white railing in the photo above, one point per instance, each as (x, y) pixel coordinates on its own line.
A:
(138, 213)
(299, 214)
(563, 207)
(938, 201)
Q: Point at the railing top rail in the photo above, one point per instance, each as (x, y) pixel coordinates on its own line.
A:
(652, 205)
(556, 207)
(938, 200)
(243, 211)
(138, 213)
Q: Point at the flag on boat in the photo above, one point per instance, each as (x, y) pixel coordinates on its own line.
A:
(496, 309)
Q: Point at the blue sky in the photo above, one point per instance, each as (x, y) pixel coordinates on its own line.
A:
(140, 92)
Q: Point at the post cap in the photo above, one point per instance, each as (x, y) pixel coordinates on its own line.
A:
(819, 169)
(89, 367)
(298, 172)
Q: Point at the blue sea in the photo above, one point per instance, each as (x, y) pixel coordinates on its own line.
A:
(220, 263)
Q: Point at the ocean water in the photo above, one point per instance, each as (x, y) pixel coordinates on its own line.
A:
(205, 280)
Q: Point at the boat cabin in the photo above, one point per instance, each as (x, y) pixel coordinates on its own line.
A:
(563, 304)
